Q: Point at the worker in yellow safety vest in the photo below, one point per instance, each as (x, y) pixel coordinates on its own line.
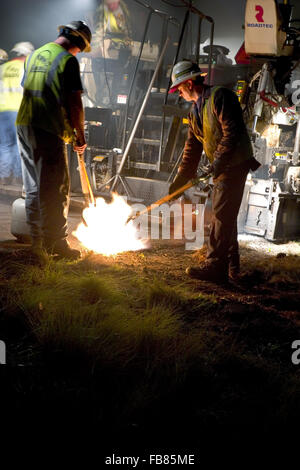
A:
(216, 126)
(110, 59)
(51, 114)
(113, 29)
(11, 92)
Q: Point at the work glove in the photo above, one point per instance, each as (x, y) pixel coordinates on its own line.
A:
(216, 168)
(178, 182)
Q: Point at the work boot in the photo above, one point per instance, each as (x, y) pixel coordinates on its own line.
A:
(233, 272)
(62, 249)
(208, 272)
(234, 267)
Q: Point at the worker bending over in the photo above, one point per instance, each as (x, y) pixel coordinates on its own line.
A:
(216, 126)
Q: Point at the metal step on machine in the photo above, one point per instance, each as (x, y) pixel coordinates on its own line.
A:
(151, 125)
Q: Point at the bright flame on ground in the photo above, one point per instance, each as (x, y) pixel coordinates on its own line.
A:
(106, 231)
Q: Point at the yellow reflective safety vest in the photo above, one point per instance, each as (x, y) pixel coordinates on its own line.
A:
(43, 103)
(113, 25)
(11, 91)
(211, 133)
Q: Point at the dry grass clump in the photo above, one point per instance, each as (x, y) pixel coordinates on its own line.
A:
(273, 270)
(129, 346)
(106, 315)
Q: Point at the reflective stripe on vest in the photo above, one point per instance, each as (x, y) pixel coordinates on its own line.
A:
(50, 76)
(16, 89)
(43, 100)
(54, 66)
(211, 127)
(211, 134)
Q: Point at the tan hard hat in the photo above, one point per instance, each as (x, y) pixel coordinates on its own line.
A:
(183, 71)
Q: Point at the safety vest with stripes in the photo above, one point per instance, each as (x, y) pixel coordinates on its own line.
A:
(115, 27)
(111, 24)
(11, 91)
(211, 133)
(43, 103)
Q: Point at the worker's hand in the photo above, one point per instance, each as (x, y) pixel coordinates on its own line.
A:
(216, 168)
(79, 147)
(178, 182)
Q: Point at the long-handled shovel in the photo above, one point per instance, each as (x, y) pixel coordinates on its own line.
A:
(85, 182)
(87, 191)
(169, 197)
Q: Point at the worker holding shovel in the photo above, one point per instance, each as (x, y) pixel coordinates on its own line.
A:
(216, 126)
(51, 114)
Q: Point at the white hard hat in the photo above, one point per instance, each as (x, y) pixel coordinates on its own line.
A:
(183, 71)
(3, 55)
(23, 48)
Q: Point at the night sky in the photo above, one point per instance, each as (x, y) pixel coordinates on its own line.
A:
(37, 20)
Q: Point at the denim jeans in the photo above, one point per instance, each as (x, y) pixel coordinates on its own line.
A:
(46, 182)
(10, 162)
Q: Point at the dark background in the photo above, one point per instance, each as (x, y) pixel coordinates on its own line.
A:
(37, 20)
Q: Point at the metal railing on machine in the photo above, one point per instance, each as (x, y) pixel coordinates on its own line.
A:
(202, 16)
(126, 147)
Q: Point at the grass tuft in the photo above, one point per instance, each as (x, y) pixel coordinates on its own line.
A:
(133, 345)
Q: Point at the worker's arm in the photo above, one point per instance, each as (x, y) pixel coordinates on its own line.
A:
(191, 156)
(73, 89)
(188, 167)
(76, 117)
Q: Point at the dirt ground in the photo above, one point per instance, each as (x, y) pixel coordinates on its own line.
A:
(270, 273)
